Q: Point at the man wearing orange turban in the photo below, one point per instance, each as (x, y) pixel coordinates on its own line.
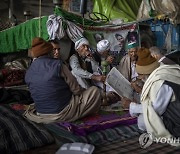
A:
(57, 95)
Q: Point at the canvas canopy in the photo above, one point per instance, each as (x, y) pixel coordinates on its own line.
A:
(19, 38)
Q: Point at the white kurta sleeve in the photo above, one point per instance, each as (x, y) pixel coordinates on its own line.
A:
(163, 98)
(135, 109)
(76, 68)
(160, 104)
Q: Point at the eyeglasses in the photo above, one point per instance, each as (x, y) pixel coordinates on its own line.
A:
(54, 49)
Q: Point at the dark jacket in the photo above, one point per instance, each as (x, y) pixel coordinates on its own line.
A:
(171, 117)
(48, 89)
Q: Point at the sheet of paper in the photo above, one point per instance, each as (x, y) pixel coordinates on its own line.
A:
(119, 83)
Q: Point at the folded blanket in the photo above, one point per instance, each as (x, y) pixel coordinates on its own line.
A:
(18, 134)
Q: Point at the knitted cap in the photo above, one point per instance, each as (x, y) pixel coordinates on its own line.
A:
(80, 42)
(145, 64)
(103, 45)
(132, 45)
(40, 47)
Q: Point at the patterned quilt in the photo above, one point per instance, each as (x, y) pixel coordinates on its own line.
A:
(131, 146)
(18, 134)
(122, 138)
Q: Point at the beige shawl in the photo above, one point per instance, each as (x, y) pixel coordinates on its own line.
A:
(125, 67)
(153, 122)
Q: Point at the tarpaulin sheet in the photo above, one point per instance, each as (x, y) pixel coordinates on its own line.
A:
(118, 9)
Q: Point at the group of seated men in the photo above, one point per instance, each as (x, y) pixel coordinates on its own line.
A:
(61, 94)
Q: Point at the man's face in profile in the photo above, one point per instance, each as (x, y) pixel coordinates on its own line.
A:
(56, 50)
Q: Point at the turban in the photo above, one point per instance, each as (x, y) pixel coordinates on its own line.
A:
(103, 45)
(145, 64)
(80, 42)
(40, 47)
(132, 45)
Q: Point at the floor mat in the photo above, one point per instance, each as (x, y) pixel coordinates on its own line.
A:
(119, 132)
(131, 146)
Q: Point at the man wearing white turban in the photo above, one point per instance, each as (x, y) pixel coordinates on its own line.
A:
(83, 65)
(80, 42)
(103, 49)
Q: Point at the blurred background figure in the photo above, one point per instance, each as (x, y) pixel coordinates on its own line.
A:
(98, 37)
(159, 56)
(127, 64)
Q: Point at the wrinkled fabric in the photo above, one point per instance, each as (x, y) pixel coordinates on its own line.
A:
(74, 32)
(56, 29)
(151, 87)
(79, 106)
(161, 7)
(21, 64)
